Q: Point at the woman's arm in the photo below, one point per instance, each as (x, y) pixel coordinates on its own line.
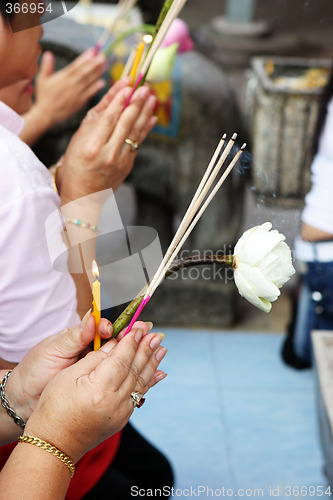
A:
(80, 407)
(32, 474)
(28, 380)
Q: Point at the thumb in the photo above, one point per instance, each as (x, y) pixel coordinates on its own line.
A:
(90, 362)
(77, 338)
(47, 65)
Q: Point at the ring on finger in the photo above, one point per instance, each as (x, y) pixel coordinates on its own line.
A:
(133, 144)
(137, 399)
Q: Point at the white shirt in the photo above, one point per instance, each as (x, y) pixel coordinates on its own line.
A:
(36, 301)
(318, 211)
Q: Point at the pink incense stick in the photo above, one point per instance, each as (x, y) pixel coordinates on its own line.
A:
(137, 313)
(135, 86)
(98, 47)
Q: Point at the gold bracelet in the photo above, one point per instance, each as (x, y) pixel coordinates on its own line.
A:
(26, 438)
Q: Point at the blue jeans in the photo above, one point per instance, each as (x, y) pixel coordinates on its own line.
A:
(315, 306)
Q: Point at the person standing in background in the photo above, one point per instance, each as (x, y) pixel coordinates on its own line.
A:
(313, 305)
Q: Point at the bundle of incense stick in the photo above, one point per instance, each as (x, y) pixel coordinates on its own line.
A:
(198, 205)
(123, 6)
(169, 13)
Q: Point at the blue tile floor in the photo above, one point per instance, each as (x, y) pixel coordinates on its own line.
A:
(233, 419)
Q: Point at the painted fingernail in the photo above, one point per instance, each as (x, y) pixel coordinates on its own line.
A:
(161, 353)
(149, 324)
(156, 341)
(85, 320)
(108, 347)
(138, 335)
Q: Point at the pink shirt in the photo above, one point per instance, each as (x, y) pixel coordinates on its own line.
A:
(36, 300)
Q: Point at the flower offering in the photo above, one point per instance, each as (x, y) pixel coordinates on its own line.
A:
(262, 264)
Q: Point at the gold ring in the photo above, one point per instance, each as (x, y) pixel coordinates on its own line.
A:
(138, 399)
(133, 144)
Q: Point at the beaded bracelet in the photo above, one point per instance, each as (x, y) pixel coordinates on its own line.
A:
(84, 225)
(5, 403)
(26, 438)
(77, 222)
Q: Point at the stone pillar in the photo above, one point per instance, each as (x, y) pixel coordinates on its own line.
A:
(239, 20)
(240, 11)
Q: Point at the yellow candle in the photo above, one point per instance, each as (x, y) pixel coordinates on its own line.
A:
(137, 60)
(96, 292)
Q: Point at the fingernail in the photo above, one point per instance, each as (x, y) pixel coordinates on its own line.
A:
(153, 121)
(151, 102)
(143, 92)
(89, 54)
(110, 329)
(138, 335)
(127, 92)
(156, 341)
(85, 320)
(160, 377)
(101, 84)
(108, 347)
(161, 353)
(149, 324)
(100, 59)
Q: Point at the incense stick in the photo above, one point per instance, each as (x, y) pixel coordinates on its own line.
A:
(123, 7)
(152, 288)
(129, 64)
(192, 215)
(173, 12)
(198, 197)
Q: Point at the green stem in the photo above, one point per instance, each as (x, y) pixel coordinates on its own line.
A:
(145, 28)
(162, 15)
(127, 314)
(165, 9)
(200, 260)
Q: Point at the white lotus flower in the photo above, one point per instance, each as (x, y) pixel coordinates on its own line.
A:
(163, 63)
(262, 264)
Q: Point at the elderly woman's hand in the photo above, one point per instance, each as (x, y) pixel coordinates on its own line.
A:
(46, 359)
(91, 400)
(97, 157)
